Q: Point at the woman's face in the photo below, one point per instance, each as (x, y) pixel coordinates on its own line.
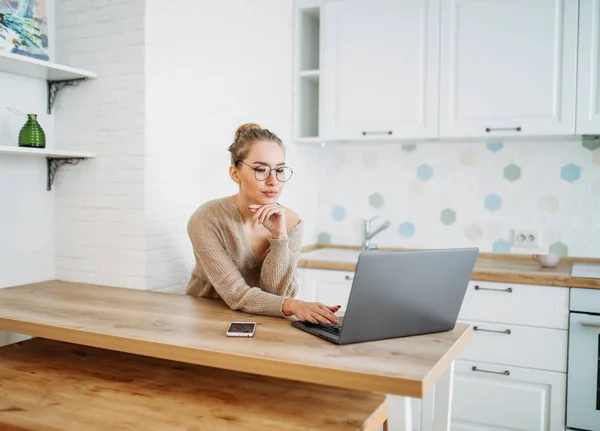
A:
(263, 156)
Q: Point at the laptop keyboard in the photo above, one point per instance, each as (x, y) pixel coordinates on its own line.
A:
(332, 329)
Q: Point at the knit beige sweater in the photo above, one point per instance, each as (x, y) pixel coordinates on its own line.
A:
(227, 268)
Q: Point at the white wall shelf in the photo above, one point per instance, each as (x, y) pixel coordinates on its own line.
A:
(45, 152)
(57, 75)
(33, 68)
(54, 158)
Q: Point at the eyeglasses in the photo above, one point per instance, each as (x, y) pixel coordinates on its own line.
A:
(262, 173)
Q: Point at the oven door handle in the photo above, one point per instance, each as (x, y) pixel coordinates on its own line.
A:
(590, 325)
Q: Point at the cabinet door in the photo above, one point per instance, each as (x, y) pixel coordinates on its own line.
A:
(523, 399)
(303, 292)
(517, 345)
(327, 287)
(380, 68)
(519, 304)
(508, 67)
(588, 83)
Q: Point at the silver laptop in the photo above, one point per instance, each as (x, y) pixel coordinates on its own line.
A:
(400, 294)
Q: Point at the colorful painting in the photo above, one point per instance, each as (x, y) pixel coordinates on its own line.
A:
(24, 28)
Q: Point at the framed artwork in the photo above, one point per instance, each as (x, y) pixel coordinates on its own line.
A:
(24, 28)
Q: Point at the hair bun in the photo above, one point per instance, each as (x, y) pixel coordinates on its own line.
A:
(244, 127)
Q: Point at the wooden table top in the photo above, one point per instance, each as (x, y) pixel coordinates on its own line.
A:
(52, 385)
(502, 269)
(192, 330)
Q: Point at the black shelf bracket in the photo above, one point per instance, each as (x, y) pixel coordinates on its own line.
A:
(55, 86)
(54, 163)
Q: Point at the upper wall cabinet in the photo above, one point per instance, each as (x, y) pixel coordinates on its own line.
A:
(508, 67)
(588, 81)
(380, 69)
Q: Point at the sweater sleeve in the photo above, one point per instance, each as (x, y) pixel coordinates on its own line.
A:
(226, 278)
(278, 273)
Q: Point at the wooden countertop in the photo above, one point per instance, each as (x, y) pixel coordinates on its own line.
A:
(192, 330)
(52, 385)
(493, 267)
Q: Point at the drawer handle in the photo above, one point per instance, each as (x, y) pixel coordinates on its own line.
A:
(387, 132)
(506, 331)
(507, 290)
(349, 278)
(590, 325)
(490, 129)
(504, 373)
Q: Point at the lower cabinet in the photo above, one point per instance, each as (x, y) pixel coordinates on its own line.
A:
(512, 375)
(488, 396)
(325, 286)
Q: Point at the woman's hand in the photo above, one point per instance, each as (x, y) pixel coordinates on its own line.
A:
(313, 312)
(272, 217)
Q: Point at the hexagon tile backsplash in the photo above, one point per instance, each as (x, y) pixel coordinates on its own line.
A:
(451, 194)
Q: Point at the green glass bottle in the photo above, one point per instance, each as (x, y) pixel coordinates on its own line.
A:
(32, 134)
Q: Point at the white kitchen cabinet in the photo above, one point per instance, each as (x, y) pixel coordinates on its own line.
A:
(521, 304)
(521, 329)
(380, 69)
(499, 397)
(513, 345)
(519, 351)
(508, 67)
(588, 81)
(327, 287)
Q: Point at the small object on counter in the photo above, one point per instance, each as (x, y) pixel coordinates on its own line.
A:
(32, 135)
(546, 260)
(585, 270)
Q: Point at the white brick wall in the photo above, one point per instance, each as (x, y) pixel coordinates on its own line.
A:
(100, 207)
(172, 89)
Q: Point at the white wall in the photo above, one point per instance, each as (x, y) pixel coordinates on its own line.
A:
(26, 208)
(100, 220)
(160, 116)
(209, 68)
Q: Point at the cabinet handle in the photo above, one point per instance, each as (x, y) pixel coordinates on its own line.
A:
(386, 132)
(590, 325)
(504, 373)
(495, 129)
(506, 331)
(349, 278)
(507, 290)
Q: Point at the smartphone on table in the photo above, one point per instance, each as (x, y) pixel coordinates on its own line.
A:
(241, 329)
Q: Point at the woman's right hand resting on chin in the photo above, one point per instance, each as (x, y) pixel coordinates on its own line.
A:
(313, 312)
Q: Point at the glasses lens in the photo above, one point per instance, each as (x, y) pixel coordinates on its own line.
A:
(262, 173)
(284, 174)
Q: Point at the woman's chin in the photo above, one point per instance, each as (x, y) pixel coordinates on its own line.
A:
(265, 200)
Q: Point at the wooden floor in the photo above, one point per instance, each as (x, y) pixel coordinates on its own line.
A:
(50, 385)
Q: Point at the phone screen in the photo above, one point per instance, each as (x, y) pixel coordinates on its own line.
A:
(244, 328)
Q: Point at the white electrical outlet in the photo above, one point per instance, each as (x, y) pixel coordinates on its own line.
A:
(525, 238)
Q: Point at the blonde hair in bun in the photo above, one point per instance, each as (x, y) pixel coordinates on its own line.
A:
(245, 136)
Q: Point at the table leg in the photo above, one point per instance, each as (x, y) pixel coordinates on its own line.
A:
(443, 400)
(427, 409)
(399, 413)
(436, 407)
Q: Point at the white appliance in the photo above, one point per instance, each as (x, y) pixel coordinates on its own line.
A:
(583, 373)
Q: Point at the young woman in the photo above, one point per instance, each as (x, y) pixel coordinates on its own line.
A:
(247, 246)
